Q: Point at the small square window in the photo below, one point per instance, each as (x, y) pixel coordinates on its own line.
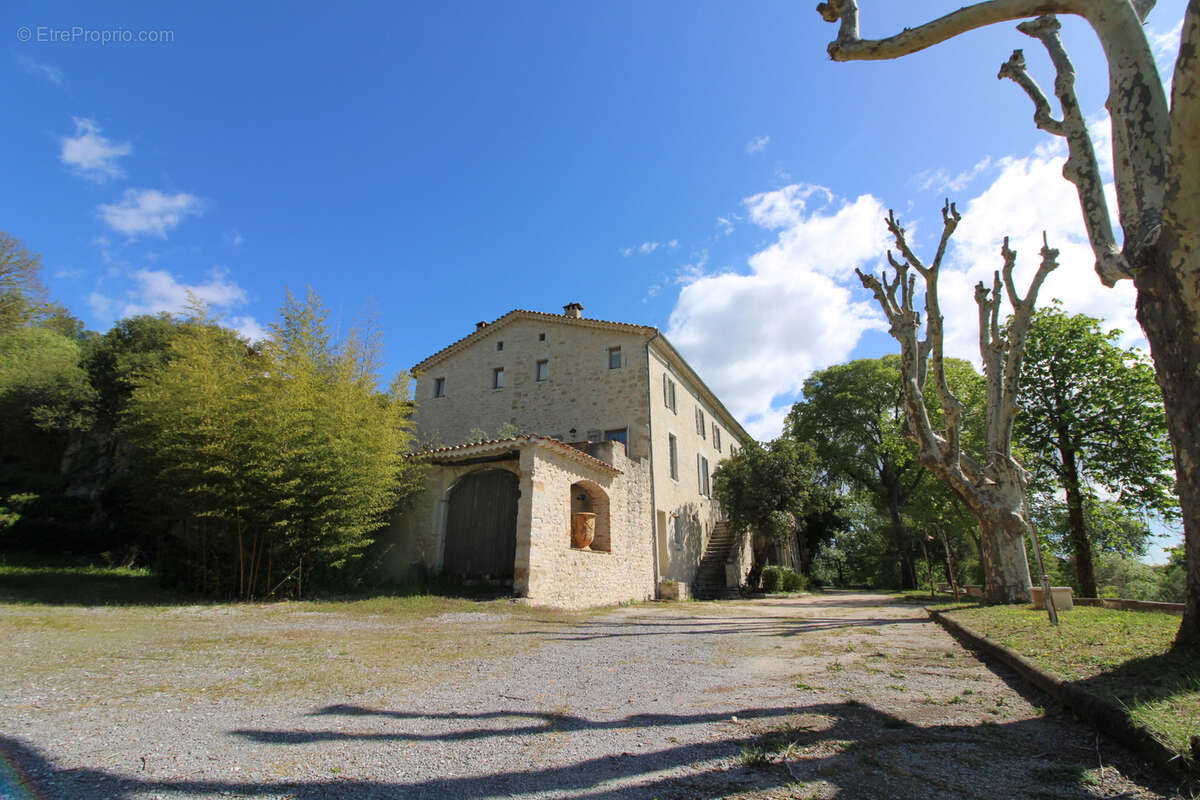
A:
(439, 387)
(543, 370)
(500, 345)
(541, 337)
(614, 358)
(498, 378)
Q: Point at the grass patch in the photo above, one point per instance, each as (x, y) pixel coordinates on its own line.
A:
(81, 584)
(1123, 656)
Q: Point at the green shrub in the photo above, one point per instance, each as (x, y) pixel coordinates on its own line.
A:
(771, 578)
(793, 581)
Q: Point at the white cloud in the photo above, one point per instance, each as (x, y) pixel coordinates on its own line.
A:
(149, 211)
(725, 225)
(91, 155)
(757, 144)
(939, 180)
(756, 336)
(47, 71)
(155, 291)
(646, 248)
(1029, 196)
(1165, 47)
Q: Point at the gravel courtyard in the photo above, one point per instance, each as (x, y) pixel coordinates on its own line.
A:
(822, 696)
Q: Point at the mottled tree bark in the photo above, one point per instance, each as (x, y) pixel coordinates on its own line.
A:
(994, 489)
(1156, 167)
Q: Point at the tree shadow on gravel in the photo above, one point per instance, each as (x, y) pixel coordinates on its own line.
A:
(707, 626)
(847, 750)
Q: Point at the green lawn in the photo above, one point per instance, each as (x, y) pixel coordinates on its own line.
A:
(1125, 656)
(68, 582)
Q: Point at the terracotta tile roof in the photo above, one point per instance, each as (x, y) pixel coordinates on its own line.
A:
(492, 446)
(647, 330)
(521, 313)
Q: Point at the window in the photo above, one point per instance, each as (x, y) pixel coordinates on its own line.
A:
(543, 370)
(541, 337)
(498, 378)
(716, 437)
(614, 358)
(673, 455)
(668, 392)
(700, 421)
(500, 345)
(677, 530)
(620, 435)
(733, 450)
(439, 387)
(702, 475)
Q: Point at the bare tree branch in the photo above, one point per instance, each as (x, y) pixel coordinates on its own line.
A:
(1136, 101)
(1082, 168)
(1043, 117)
(1182, 205)
(849, 47)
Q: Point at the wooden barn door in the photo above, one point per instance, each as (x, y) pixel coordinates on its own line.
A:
(481, 525)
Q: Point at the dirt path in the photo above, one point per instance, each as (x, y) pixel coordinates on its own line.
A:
(817, 697)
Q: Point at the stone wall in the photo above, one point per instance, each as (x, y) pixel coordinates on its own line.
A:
(680, 498)
(580, 391)
(552, 573)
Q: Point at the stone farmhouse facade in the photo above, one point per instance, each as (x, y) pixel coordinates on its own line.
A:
(536, 417)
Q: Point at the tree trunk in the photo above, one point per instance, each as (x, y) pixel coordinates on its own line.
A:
(1173, 331)
(908, 573)
(1005, 564)
(1085, 570)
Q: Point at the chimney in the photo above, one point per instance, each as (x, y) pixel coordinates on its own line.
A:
(480, 326)
(573, 310)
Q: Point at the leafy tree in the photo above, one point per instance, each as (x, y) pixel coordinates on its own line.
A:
(272, 465)
(133, 348)
(1155, 170)
(854, 416)
(1092, 419)
(776, 490)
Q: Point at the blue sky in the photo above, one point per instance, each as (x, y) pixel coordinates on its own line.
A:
(700, 166)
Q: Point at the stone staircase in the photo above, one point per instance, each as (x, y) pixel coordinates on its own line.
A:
(709, 583)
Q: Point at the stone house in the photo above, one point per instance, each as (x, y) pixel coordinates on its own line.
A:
(536, 417)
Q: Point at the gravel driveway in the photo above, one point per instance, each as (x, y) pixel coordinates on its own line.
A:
(839, 695)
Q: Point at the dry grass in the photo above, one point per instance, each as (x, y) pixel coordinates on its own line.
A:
(252, 651)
